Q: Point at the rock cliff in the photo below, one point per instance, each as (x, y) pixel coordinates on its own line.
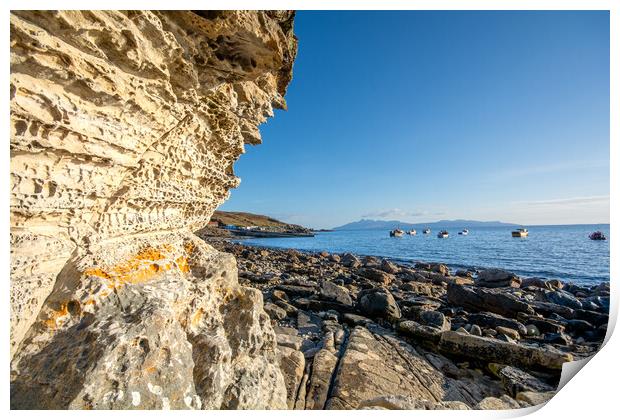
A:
(124, 130)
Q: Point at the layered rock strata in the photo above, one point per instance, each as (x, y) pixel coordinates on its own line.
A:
(124, 130)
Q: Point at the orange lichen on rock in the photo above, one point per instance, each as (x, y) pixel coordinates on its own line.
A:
(197, 317)
(53, 320)
(141, 267)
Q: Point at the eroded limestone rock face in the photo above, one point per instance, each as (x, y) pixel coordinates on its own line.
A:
(124, 130)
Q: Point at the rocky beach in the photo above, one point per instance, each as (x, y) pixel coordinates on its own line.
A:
(125, 128)
(363, 332)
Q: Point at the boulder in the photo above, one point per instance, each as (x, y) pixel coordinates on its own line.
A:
(494, 277)
(435, 319)
(379, 303)
(350, 261)
(480, 299)
(389, 267)
(335, 293)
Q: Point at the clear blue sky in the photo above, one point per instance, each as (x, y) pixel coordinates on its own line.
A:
(421, 116)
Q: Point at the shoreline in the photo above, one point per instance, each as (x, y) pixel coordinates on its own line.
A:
(411, 262)
(510, 334)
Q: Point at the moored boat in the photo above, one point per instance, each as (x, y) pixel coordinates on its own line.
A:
(597, 236)
(464, 232)
(412, 232)
(520, 233)
(426, 231)
(443, 234)
(396, 232)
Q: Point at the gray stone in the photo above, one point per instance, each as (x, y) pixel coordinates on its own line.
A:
(378, 302)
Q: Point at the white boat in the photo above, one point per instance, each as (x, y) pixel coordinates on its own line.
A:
(426, 231)
(443, 234)
(396, 233)
(464, 232)
(412, 232)
(520, 233)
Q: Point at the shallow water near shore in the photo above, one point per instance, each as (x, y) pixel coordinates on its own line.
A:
(562, 252)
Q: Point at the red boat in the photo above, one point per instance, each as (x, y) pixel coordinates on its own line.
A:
(597, 236)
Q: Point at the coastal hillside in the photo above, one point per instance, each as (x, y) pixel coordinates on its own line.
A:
(442, 224)
(243, 219)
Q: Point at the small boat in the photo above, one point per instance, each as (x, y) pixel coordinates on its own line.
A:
(520, 233)
(464, 232)
(412, 232)
(443, 234)
(426, 231)
(396, 233)
(597, 236)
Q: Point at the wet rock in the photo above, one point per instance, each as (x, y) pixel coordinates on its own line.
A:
(494, 277)
(480, 299)
(493, 350)
(578, 326)
(378, 302)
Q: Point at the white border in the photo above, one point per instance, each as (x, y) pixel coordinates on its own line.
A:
(591, 395)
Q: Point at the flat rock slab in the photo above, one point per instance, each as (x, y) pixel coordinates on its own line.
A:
(492, 350)
(377, 364)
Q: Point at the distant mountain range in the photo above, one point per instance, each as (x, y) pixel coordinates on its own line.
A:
(365, 224)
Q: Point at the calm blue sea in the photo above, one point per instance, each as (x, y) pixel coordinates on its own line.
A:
(561, 252)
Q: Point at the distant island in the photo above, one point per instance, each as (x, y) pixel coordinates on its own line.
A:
(365, 224)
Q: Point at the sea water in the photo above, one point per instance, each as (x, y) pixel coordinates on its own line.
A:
(554, 252)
